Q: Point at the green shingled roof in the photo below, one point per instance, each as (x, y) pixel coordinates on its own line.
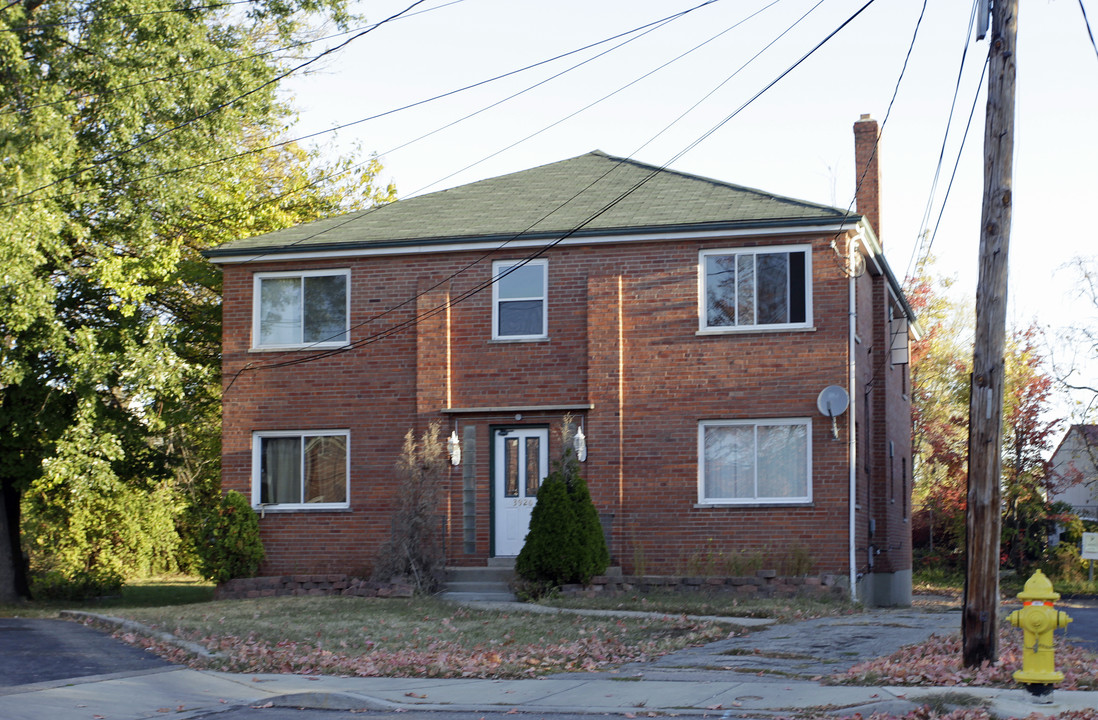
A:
(594, 193)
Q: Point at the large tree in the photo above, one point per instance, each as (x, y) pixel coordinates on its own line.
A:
(941, 370)
(133, 134)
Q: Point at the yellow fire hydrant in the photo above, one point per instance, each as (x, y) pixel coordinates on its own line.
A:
(1038, 619)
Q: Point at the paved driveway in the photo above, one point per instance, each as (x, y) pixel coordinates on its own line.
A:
(38, 651)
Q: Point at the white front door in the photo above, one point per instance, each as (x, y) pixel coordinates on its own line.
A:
(521, 463)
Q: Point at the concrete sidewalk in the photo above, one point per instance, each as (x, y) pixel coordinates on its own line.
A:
(189, 693)
(776, 670)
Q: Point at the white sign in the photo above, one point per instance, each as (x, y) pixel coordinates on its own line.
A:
(1090, 546)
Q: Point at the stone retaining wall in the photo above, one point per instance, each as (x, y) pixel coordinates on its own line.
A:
(764, 583)
(309, 585)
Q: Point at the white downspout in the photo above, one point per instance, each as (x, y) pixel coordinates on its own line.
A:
(852, 440)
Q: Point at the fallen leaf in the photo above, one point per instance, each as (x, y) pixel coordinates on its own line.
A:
(415, 695)
(714, 707)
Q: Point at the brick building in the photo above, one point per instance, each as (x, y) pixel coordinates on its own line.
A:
(687, 325)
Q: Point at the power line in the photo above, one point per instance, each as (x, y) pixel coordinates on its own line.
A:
(1087, 23)
(213, 110)
(234, 60)
(480, 287)
(941, 210)
(648, 27)
(917, 256)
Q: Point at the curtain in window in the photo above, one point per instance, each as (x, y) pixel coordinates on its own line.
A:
(326, 469)
(729, 462)
(520, 317)
(280, 311)
(280, 474)
(520, 294)
(783, 461)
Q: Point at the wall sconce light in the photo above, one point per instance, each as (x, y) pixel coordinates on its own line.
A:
(579, 444)
(453, 445)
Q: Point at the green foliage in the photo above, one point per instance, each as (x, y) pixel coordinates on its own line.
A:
(119, 165)
(414, 549)
(565, 543)
(941, 366)
(79, 585)
(551, 552)
(232, 548)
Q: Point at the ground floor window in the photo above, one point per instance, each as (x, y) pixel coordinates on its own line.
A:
(300, 469)
(754, 461)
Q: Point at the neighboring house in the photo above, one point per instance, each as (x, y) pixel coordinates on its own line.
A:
(1075, 468)
(686, 324)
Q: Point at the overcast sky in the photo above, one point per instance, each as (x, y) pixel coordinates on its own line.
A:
(796, 139)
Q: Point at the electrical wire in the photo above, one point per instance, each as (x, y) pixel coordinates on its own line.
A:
(1089, 32)
(213, 110)
(497, 249)
(479, 287)
(968, 126)
(233, 61)
(648, 27)
(914, 260)
(589, 105)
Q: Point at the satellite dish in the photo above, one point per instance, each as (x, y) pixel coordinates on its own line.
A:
(832, 402)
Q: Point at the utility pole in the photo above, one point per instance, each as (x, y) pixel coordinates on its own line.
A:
(979, 622)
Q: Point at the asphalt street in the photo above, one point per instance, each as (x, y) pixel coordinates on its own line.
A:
(38, 651)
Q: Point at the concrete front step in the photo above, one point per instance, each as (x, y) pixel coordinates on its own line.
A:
(480, 583)
(479, 596)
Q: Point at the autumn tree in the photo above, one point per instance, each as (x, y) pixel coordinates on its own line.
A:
(133, 134)
(1028, 483)
(940, 367)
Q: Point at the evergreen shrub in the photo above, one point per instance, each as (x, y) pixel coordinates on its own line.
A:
(565, 543)
(232, 548)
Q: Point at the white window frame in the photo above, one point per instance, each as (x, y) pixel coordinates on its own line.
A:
(703, 313)
(257, 298)
(500, 267)
(257, 467)
(756, 500)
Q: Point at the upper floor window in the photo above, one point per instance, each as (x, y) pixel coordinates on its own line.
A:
(300, 469)
(754, 461)
(755, 288)
(519, 306)
(293, 309)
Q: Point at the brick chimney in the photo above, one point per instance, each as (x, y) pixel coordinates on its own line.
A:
(867, 172)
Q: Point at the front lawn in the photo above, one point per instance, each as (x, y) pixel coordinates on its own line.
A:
(417, 637)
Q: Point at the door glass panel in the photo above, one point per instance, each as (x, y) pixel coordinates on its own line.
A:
(533, 472)
(510, 467)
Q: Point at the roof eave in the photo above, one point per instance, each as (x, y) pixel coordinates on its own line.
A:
(228, 255)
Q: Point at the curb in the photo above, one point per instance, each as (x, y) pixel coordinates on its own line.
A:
(131, 626)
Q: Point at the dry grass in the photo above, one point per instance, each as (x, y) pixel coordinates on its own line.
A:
(421, 637)
(716, 604)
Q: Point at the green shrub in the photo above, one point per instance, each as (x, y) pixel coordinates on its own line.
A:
(78, 585)
(550, 553)
(232, 548)
(565, 543)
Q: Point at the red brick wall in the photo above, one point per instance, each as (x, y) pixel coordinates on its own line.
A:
(623, 322)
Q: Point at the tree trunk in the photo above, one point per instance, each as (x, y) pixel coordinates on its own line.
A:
(13, 575)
